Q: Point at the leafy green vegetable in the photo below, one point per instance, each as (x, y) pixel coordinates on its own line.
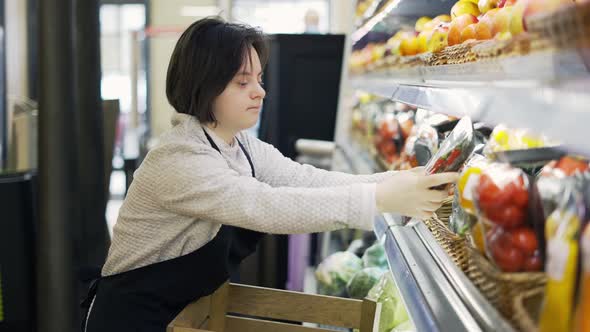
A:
(334, 273)
(374, 256)
(358, 287)
(393, 311)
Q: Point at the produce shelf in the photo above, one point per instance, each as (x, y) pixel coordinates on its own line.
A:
(437, 295)
(547, 92)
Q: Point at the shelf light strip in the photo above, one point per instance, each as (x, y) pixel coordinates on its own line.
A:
(361, 32)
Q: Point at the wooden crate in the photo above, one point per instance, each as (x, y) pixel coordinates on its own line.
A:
(235, 307)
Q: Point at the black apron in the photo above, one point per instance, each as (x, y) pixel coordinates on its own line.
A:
(148, 298)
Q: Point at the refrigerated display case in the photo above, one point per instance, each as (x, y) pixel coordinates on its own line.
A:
(537, 79)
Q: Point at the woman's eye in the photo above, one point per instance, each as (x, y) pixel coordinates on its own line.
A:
(243, 83)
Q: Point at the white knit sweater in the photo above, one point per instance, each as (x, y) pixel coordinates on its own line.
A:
(185, 190)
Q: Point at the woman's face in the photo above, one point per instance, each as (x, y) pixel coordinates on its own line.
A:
(238, 106)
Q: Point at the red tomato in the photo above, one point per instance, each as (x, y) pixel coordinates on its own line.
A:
(406, 128)
(388, 148)
(488, 192)
(437, 166)
(533, 263)
(570, 165)
(518, 192)
(453, 156)
(508, 216)
(507, 257)
(525, 239)
(521, 198)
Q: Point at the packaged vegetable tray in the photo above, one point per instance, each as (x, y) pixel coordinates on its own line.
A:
(454, 150)
(508, 205)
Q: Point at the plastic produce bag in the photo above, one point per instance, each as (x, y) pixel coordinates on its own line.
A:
(334, 273)
(460, 221)
(454, 150)
(361, 283)
(463, 215)
(507, 139)
(426, 144)
(393, 310)
(562, 230)
(388, 140)
(375, 256)
(551, 182)
(507, 206)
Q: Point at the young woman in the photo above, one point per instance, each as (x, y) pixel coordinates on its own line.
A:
(204, 196)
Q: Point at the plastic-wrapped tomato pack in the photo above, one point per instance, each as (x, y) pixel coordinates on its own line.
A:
(463, 216)
(506, 203)
(420, 146)
(393, 129)
(551, 182)
(454, 150)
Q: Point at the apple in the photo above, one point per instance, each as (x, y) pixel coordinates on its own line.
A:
(443, 18)
(517, 17)
(423, 39)
(421, 22)
(483, 30)
(435, 22)
(409, 46)
(487, 5)
(501, 20)
(468, 33)
(464, 7)
(506, 3)
(439, 39)
(457, 26)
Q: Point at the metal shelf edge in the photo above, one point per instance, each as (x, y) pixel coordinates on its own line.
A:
(430, 298)
(486, 315)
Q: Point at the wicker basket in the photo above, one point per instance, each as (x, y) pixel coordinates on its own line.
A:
(456, 54)
(444, 212)
(508, 292)
(410, 61)
(527, 306)
(566, 27)
(500, 288)
(454, 245)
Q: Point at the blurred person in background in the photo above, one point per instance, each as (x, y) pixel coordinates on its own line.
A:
(312, 21)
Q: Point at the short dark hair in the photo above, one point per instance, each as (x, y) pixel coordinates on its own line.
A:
(207, 56)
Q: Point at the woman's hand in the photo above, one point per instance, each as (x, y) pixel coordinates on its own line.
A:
(409, 193)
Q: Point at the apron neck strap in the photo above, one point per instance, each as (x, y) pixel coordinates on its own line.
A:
(241, 147)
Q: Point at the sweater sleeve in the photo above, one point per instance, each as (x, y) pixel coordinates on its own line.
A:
(277, 170)
(202, 185)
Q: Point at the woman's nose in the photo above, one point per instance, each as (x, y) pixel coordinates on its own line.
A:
(258, 92)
